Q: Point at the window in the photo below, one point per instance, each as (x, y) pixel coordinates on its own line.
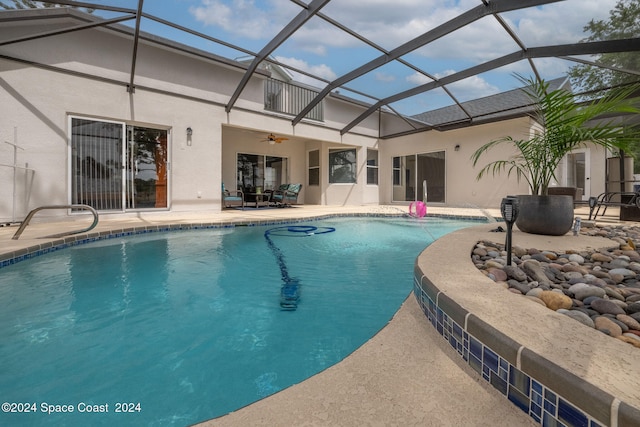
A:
(342, 166)
(372, 167)
(397, 171)
(314, 168)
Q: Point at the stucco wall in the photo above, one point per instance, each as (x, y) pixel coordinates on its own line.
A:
(35, 105)
(173, 91)
(462, 187)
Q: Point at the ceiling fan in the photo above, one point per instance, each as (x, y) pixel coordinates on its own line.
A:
(271, 139)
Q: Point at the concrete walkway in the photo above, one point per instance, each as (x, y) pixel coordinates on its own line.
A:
(406, 375)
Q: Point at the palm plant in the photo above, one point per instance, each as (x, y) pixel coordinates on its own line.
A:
(565, 125)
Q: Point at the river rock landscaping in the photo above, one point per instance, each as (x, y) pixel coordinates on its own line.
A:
(598, 288)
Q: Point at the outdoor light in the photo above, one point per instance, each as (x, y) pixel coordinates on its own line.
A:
(189, 133)
(509, 211)
(457, 147)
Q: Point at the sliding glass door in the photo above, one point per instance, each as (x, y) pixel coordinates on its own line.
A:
(257, 172)
(116, 167)
(410, 173)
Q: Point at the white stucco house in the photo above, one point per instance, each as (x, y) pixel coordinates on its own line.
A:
(85, 120)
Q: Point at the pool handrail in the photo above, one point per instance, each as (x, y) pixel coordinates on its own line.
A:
(24, 224)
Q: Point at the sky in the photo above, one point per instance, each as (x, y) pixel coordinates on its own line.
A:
(320, 48)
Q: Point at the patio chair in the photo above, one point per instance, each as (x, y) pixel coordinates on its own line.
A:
(232, 198)
(286, 195)
(625, 200)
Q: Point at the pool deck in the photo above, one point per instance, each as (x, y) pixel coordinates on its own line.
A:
(407, 374)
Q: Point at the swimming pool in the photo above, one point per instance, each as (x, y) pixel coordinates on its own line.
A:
(176, 328)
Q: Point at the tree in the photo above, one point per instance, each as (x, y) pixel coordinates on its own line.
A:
(30, 4)
(623, 23)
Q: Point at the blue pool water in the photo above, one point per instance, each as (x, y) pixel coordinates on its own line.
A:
(176, 328)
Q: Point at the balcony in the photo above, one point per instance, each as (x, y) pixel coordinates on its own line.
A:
(286, 98)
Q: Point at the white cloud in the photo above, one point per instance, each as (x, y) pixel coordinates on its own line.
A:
(472, 88)
(561, 22)
(245, 18)
(320, 48)
(320, 70)
(469, 88)
(390, 24)
(418, 79)
(384, 77)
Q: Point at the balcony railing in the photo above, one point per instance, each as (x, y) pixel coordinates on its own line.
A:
(282, 97)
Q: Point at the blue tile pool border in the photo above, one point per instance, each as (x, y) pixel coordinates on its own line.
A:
(549, 394)
(13, 257)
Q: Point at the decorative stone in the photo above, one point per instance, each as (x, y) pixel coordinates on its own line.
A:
(627, 292)
(540, 257)
(633, 255)
(523, 288)
(576, 258)
(599, 257)
(623, 305)
(616, 278)
(573, 275)
(534, 270)
(498, 274)
(589, 291)
(607, 326)
(600, 289)
(535, 292)
(579, 316)
(622, 271)
(633, 336)
(612, 293)
(480, 251)
(600, 274)
(556, 300)
(624, 327)
(604, 306)
(495, 263)
(619, 262)
(600, 282)
(633, 308)
(589, 300)
(575, 268)
(514, 272)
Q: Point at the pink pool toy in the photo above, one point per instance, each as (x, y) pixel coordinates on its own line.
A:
(420, 209)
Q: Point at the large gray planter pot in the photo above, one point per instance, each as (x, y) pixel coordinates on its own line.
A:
(548, 215)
